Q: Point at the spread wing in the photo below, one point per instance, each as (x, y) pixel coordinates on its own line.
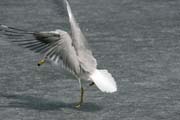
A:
(88, 62)
(61, 48)
(55, 45)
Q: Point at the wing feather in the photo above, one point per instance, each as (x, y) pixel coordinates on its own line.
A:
(86, 58)
(62, 49)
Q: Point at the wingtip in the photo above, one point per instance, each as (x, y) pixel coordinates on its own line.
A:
(2, 26)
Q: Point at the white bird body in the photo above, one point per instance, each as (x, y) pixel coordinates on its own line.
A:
(102, 78)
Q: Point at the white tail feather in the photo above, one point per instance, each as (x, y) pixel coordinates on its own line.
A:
(104, 81)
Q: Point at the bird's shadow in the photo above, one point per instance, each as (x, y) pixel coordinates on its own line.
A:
(38, 103)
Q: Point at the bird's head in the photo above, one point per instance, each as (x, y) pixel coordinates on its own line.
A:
(58, 31)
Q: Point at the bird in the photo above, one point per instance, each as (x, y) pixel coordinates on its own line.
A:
(71, 49)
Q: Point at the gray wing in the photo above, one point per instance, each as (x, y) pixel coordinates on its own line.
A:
(55, 45)
(62, 49)
(88, 62)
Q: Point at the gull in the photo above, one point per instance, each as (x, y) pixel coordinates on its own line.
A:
(70, 49)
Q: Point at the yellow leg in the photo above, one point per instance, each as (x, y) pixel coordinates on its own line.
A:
(41, 62)
(81, 98)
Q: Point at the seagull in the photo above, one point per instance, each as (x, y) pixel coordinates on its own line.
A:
(72, 50)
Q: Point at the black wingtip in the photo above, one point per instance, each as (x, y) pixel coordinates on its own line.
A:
(15, 29)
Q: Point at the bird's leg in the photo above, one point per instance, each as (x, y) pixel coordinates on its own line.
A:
(41, 62)
(91, 84)
(81, 97)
